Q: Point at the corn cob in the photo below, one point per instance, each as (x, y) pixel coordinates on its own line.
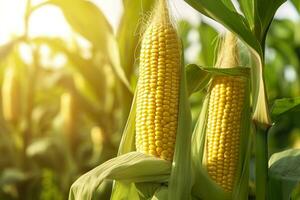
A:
(158, 87)
(11, 96)
(223, 129)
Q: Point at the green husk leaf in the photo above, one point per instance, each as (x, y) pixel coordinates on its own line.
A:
(146, 190)
(128, 137)
(197, 78)
(124, 190)
(127, 144)
(285, 106)
(130, 167)
(180, 181)
(161, 194)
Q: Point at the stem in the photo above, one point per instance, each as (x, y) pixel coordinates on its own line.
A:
(261, 163)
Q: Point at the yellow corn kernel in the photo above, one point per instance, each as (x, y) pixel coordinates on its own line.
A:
(223, 130)
(158, 85)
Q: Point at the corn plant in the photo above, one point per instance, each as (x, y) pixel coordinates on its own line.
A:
(186, 131)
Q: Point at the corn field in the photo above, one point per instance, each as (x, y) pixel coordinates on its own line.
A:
(153, 106)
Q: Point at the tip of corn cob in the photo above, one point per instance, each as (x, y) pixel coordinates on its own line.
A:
(228, 55)
(161, 12)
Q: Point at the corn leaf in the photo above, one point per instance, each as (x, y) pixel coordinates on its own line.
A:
(180, 181)
(264, 11)
(209, 44)
(285, 164)
(247, 8)
(285, 106)
(218, 11)
(284, 173)
(89, 21)
(131, 167)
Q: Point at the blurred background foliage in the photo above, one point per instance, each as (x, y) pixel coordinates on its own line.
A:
(64, 105)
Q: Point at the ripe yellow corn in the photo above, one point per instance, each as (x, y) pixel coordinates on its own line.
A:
(223, 130)
(158, 87)
(11, 96)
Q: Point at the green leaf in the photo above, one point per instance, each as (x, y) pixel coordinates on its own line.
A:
(89, 21)
(209, 44)
(263, 15)
(285, 106)
(284, 173)
(285, 164)
(230, 19)
(130, 167)
(247, 8)
(229, 4)
(130, 30)
(196, 78)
